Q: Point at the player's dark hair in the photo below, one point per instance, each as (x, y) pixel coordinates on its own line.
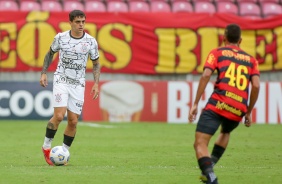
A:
(76, 13)
(233, 33)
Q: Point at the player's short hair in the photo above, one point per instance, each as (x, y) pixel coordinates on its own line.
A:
(76, 13)
(233, 33)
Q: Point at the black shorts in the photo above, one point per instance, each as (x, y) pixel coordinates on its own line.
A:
(210, 121)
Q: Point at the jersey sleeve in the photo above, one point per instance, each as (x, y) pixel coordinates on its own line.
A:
(93, 52)
(255, 70)
(55, 46)
(211, 61)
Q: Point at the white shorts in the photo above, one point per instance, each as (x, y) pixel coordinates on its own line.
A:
(65, 96)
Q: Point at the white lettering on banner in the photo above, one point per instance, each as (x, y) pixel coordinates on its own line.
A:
(204, 99)
(14, 103)
(177, 103)
(38, 106)
(30, 103)
(4, 94)
(275, 102)
(259, 111)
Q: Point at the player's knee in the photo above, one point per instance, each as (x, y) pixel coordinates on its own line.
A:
(197, 145)
(59, 117)
(72, 123)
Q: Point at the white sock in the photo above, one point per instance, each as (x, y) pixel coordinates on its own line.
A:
(47, 143)
(66, 146)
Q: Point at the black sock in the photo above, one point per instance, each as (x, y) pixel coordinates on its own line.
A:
(205, 164)
(217, 152)
(50, 133)
(68, 140)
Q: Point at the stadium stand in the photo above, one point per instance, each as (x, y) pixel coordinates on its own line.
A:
(254, 9)
(95, 6)
(52, 6)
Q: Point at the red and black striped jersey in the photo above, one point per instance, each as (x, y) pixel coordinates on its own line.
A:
(235, 69)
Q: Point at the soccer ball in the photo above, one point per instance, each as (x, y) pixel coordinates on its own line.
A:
(59, 155)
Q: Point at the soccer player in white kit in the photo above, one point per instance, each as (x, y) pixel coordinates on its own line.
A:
(74, 47)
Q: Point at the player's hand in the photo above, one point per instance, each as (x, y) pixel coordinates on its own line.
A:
(193, 113)
(248, 120)
(43, 80)
(95, 91)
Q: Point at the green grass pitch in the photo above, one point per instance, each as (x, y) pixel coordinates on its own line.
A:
(137, 153)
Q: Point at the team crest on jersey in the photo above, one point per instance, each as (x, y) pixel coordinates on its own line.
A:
(58, 97)
(211, 59)
(84, 47)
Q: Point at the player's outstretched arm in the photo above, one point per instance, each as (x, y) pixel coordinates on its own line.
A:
(47, 61)
(253, 99)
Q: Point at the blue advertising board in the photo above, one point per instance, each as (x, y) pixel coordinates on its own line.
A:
(25, 100)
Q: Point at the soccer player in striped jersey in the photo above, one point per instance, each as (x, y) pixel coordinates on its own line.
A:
(229, 102)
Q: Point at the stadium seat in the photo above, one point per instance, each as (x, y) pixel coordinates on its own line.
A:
(114, 1)
(95, 6)
(69, 0)
(52, 6)
(269, 1)
(249, 9)
(209, 1)
(172, 1)
(271, 9)
(27, 0)
(8, 6)
(72, 5)
(243, 1)
(116, 6)
(181, 6)
(227, 7)
(138, 6)
(29, 6)
(159, 6)
(166, 1)
(204, 7)
(232, 1)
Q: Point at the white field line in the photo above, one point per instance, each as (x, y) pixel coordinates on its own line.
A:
(96, 125)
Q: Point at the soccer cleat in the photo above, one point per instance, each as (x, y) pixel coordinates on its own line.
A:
(46, 153)
(203, 178)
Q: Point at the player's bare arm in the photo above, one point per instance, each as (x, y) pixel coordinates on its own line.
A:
(47, 61)
(201, 88)
(96, 75)
(253, 98)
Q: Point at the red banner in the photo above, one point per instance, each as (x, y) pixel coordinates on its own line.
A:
(138, 43)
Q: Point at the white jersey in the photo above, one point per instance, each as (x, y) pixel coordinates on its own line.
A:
(73, 56)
